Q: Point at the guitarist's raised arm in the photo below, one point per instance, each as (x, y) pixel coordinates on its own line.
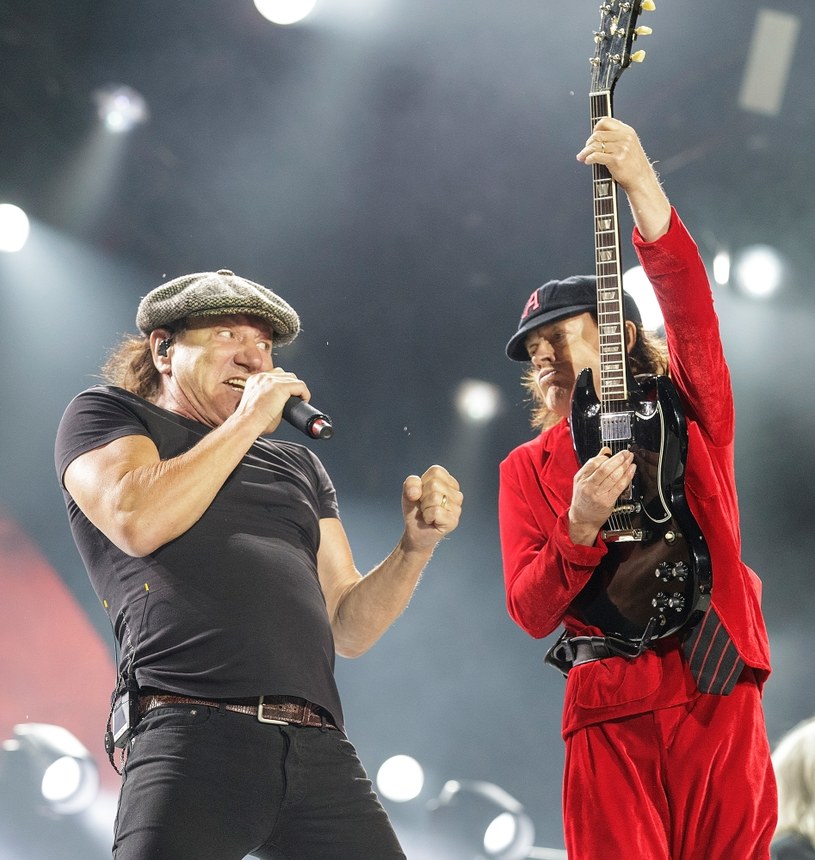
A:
(616, 145)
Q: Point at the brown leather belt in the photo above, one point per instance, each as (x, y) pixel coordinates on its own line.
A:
(279, 712)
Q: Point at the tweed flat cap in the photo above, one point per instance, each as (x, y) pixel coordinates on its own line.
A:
(213, 294)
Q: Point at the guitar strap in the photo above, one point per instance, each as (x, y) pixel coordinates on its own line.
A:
(712, 657)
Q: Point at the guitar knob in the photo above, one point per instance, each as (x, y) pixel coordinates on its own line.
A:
(660, 604)
(637, 56)
(648, 6)
(643, 31)
(666, 572)
(663, 602)
(663, 571)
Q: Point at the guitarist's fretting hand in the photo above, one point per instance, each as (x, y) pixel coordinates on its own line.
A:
(597, 486)
(616, 145)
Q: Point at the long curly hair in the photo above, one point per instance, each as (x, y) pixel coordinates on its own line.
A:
(648, 355)
(130, 364)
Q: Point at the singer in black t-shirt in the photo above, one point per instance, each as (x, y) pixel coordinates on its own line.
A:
(220, 559)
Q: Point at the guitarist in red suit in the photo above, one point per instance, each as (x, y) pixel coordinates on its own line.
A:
(667, 756)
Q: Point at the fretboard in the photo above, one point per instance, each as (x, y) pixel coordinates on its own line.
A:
(610, 318)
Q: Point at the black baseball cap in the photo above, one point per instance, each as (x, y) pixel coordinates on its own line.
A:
(556, 300)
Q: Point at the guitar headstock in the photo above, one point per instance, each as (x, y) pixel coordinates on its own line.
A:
(618, 30)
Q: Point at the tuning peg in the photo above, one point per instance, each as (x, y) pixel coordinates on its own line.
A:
(643, 31)
(648, 5)
(638, 56)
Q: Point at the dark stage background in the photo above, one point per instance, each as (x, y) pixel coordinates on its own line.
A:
(404, 174)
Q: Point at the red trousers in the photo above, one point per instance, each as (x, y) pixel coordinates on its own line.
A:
(690, 782)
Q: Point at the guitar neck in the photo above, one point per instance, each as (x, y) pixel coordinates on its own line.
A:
(610, 315)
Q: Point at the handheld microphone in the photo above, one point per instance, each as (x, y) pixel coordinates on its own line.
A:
(307, 419)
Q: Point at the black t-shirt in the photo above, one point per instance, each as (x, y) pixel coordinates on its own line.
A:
(232, 608)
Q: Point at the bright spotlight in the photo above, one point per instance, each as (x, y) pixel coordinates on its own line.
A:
(478, 401)
(284, 11)
(120, 108)
(721, 268)
(480, 819)
(758, 270)
(637, 284)
(61, 779)
(14, 228)
(50, 763)
(500, 834)
(400, 778)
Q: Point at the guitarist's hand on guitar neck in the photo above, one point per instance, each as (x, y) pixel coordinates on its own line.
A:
(616, 146)
(597, 486)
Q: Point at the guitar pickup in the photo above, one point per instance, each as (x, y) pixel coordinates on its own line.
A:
(615, 426)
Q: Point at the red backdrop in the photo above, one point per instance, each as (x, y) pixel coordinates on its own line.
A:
(54, 667)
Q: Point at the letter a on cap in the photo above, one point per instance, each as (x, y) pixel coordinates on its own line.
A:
(532, 305)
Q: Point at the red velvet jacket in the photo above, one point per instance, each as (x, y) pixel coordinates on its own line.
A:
(544, 570)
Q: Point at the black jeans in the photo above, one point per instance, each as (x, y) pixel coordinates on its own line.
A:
(206, 784)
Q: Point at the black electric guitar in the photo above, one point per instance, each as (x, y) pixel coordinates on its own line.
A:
(656, 577)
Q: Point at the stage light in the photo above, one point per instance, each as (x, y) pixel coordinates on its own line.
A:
(120, 108)
(51, 765)
(478, 401)
(721, 268)
(477, 819)
(14, 228)
(769, 60)
(400, 778)
(636, 282)
(284, 11)
(501, 834)
(758, 271)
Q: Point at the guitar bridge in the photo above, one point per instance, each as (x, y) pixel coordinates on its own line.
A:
(620, 535)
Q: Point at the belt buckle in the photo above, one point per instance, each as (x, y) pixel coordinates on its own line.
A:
(262, 719)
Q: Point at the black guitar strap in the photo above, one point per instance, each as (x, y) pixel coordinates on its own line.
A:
(712, 657)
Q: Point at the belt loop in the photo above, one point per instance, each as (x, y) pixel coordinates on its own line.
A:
(222, 708)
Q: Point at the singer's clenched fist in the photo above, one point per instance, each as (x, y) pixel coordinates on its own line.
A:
(431, 505)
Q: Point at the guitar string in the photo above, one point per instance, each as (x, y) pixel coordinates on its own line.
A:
(604, 208)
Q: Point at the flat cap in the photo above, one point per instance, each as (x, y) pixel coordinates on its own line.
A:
(215, 294)
(556, 300)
